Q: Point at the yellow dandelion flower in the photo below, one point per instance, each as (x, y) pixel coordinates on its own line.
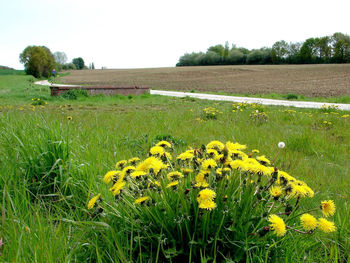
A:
(117, 187)
(209, 164)
(174, 175)
(141, 200)
(216, 145)
(157, 150)
(120, 164)
(263, 159)
(308, 222)
(235, 146)
(133, 160)
(151, 163)
(212, 153)
(188, 155)
(206, 194)
(92, 201)
(207, 204)
(277, 224)
(326, 226)
(200, 180)
(69, 118)
(172, 184)
(137, 174)
(109, 176)
(276, 191)
(345, 116)
(186, 170)
(328, 208)
(164, 144)
(255, 151)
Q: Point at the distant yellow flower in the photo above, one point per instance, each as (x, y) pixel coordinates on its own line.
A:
(255, 151)
(120, 164)
(276, 191)
(326, 226)
(69, 118)
(92, 201)
(141, 200)
(328, 208)
(277, 225)
(308, 222)
(345, 116)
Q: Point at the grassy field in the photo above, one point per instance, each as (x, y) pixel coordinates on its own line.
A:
(54, 156)
(304, 80)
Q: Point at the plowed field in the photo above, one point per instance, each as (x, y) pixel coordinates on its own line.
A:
(308, 80)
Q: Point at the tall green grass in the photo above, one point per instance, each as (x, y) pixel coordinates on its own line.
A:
(76, 154)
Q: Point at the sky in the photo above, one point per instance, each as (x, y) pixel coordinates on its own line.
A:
(155, 33)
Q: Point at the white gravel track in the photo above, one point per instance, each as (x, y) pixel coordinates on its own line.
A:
(287, 103)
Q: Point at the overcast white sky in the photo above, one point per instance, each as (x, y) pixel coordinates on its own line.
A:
(155, 33)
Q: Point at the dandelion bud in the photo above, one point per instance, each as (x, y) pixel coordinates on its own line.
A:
(281, 145)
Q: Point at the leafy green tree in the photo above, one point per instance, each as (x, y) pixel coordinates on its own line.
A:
(308, 51)
(235, 57)
(189, 59)
(38, 61)
(78, 62)
(323, 49)
(279, 52)
(209, 58)
(340, 48)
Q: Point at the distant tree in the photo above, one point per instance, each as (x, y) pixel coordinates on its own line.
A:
(218, 49)
(38, 61)
(308, 51)
(69, 66)
(92, 65)
(323, 49)
(189, 59)
(340, 48)
(255, 57)
(293, 53)
(235, 57)
(78, 62)
(209, 58)
(279, 52)
(60, 57)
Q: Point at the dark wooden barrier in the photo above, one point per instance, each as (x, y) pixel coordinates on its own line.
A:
(57, 89)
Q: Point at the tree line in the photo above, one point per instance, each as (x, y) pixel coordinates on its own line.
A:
(40, 62)
(328, 49)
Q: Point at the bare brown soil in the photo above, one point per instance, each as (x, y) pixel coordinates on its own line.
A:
(308, 80)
